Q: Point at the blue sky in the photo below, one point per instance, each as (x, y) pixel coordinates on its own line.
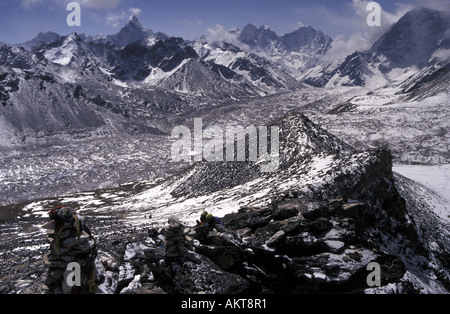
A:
(21, 20)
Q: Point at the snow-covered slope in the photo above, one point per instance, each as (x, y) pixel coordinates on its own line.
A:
(414, 39)
(410, 45)
(414, 130)
(244, 68)
(434, 178)
(70, 51)
(294, 52)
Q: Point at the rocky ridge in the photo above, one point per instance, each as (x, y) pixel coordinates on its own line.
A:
(293, 246)
(315, 231)
(313, 226)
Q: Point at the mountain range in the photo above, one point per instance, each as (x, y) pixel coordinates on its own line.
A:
(136, 82)
(55, 73)
(295, 52)
(176, 75)
(96, 113)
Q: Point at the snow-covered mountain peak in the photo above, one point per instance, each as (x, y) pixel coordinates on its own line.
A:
(414, 38)
(133, 20)
(294, 52)
(132, 31)
(133, 23)
(71, 39)
(71, 51)
(419, 39)
(307, 38)
(258, 38)
(64, 53)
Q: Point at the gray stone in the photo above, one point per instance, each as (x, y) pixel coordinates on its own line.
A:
(174, 223)
(276, 238)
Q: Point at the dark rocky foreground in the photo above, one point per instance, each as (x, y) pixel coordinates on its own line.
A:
(296, 246)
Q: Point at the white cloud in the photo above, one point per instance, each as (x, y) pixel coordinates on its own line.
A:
(442, 54)
(342, 47)
(116, 19)
(366, 35)
(219, 33)
(135, 11)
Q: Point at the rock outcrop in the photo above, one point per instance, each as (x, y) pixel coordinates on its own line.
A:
(295, 245)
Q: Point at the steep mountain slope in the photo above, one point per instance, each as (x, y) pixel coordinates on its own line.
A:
(294, 52)
(433, 80)
(62, 90)
(244, 68)
(300, 140)
(70, 51)
(409, 45)
(414, 39)
(261, 38)
(171, 64)
(132, 31)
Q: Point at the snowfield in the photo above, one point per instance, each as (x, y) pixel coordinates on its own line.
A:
(436, 179)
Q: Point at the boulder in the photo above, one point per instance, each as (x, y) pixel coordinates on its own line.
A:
(286, 209)
(252, 218)
(204, 276)
(320, 225)
(276, 239)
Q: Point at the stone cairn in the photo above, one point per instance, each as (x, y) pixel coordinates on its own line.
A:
(178, 241)
(66, 248)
